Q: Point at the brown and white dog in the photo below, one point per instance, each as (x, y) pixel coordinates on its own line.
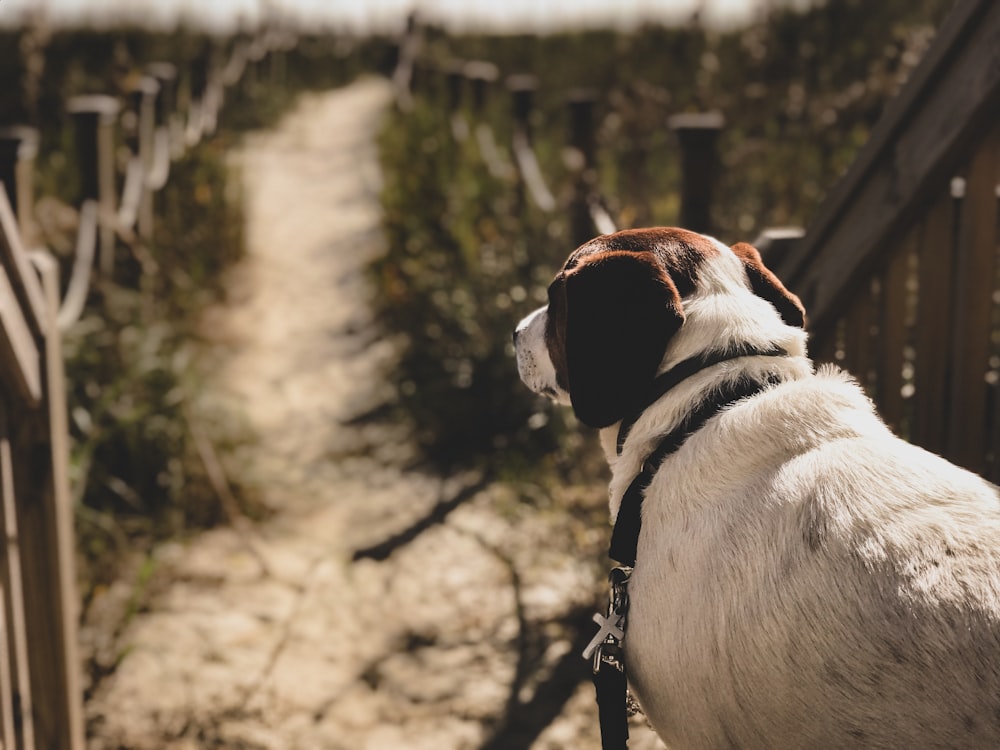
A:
(803, 577)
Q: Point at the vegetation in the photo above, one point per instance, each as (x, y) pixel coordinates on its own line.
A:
(138, 474)
(468, 255)
(467, 252)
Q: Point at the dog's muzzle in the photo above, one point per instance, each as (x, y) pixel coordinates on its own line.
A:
(534, 364)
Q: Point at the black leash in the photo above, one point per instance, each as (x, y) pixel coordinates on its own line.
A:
(625, 536)
(610, 678)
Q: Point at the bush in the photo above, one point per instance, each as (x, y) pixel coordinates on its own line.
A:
(466, 257)
(462, 266)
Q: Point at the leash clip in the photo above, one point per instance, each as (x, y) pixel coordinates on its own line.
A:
(606, 646)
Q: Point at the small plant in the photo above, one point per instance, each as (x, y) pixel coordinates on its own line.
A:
(460, 270)
(134, 380)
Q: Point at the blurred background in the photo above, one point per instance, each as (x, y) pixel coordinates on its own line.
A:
(510, 133)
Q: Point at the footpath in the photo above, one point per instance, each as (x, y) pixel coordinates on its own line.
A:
(378, 607)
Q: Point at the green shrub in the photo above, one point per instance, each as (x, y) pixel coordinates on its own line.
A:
(463, 265)
(466, 257)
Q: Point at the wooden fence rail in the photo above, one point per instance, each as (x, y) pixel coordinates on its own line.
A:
(900, 271)
(40, 679)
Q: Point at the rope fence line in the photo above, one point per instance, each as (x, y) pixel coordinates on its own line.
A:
(160, 135)
(40, 680)
(587, 210)
(901, 278)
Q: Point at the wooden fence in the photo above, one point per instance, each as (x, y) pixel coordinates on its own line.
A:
(40, 679)
(39, 668)
(899, 271)
(469, 86)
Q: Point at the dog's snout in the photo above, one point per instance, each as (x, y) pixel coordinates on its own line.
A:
(517, 332)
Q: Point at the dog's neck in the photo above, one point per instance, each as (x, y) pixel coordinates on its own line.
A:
(673, 407)
(674, 376)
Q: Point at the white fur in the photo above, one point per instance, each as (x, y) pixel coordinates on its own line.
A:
(533, 362)
(804, 578)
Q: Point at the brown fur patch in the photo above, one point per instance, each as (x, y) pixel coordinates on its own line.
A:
(622, 317)
(681, 252)
(765, 284)
(674, 256)
(555, 330)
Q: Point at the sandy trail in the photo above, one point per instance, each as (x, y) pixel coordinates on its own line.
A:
(280, 638)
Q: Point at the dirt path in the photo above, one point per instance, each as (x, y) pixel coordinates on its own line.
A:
(380, 607)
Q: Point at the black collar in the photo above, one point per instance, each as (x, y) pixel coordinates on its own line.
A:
(681, 372)
(625, 536)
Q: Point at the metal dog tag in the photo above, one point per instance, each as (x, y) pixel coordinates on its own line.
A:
(605, 646)
(610, 628)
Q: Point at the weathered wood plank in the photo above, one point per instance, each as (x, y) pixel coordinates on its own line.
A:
(858, 341)
(22, 276)
(6, 684)
(10, 574)
(44, 515)
(973, 317)
(994, 425)
(947, 105)
(19, 365)
(893, 333)
(934, 310)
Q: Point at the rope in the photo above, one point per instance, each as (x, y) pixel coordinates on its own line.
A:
(79, 283)
(160, 170)
(131, 193)
(495, 163)
(531, 172)
(603, 222)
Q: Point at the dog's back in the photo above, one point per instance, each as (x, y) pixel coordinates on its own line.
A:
(845, 593)
(803, 578)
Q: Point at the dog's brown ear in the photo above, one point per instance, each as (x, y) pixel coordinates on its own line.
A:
(621, 310)
(765, 284)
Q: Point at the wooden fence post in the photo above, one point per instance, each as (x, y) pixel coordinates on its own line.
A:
(406, 53)
(530, 178)
(775, 243)
(21, 390)
(198, 77)
(17, 710)
(47, 514)
(39, 478)
(455, 84)
(522, 94)
(18, 149)
(481, 76)
(94, 119)
(522, 90)
(143, 101)
(697, 134)
(165, 74)
(581, 163)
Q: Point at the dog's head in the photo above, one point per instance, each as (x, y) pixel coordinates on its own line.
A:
(627, 304)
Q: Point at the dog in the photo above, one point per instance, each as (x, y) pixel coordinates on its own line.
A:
(803, 578)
